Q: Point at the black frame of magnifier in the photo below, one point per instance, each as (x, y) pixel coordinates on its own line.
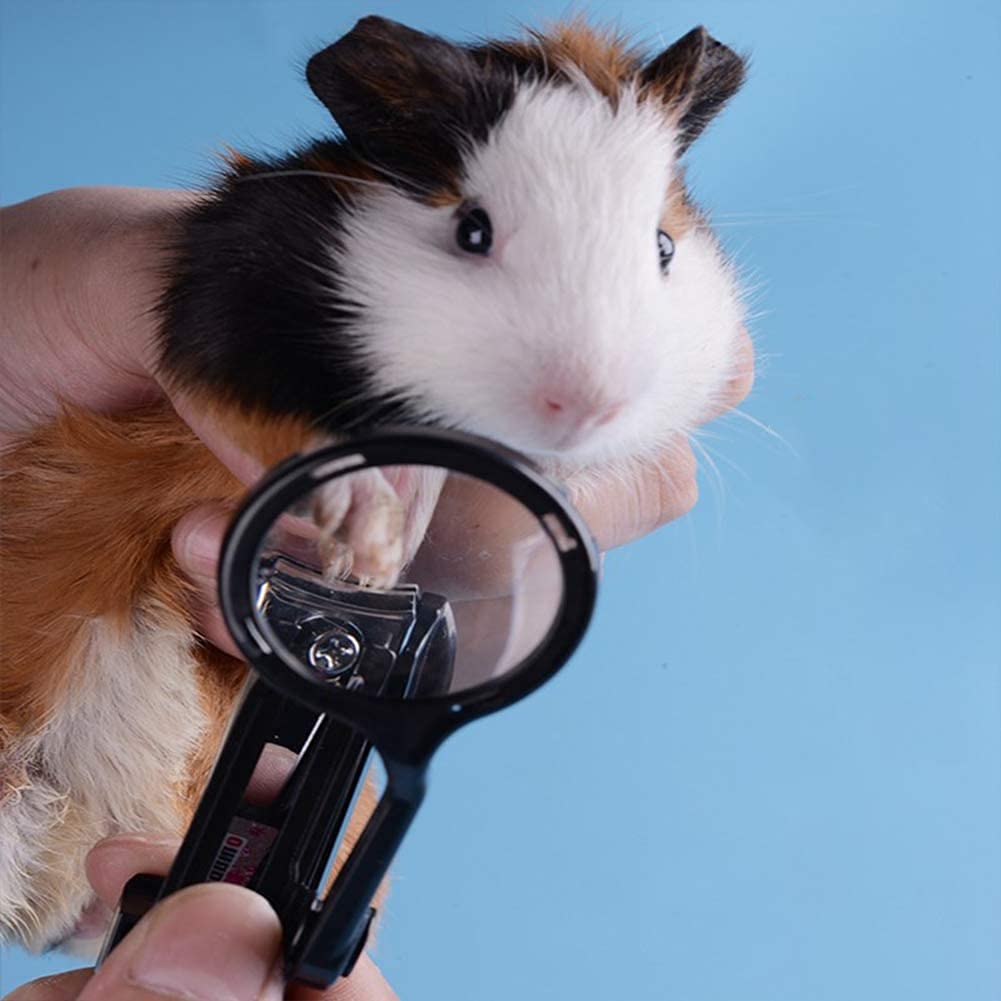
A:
(288, 706)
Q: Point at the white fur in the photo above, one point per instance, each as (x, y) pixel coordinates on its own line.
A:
(27, 815)
(571, 300)
(107, 761)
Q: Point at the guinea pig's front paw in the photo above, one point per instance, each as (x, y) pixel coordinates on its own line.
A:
(362, 522)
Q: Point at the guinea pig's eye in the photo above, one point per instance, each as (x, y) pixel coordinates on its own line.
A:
(474, 234)
(665, 247)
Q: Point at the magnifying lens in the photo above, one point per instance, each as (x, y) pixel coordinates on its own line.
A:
(385, 593)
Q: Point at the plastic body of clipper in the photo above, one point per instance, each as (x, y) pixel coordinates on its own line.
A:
(396, 643)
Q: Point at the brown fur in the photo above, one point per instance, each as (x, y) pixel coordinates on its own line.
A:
(89, 505)
(236, 160)
(603, 56)
(90, 502)
(679, 213)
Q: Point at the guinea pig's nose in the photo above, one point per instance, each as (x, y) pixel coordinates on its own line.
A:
(578, 411)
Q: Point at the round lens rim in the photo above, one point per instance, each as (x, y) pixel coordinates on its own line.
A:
(481, 459)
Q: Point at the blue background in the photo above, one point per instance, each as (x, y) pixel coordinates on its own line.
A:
(773, 771)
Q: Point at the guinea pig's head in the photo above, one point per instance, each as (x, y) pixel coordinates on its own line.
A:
(536, 273)
(510, 249)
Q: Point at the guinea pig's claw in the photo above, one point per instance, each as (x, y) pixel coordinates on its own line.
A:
(377, 541)
(338, 559)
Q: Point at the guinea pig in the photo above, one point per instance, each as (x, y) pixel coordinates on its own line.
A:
(500, 241)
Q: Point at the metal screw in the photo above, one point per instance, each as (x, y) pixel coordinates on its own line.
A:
(334, 653)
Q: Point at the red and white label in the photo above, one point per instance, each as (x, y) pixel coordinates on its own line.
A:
(241, 852)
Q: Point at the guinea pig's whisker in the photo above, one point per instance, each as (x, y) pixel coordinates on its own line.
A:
(339, 407)
(351, 179)
(344, 404)
(324, 174)
(698, 444)
(769, 216)
(733, 220)
(701, 435)
(760, 425)
(328, 272)
(406, 182)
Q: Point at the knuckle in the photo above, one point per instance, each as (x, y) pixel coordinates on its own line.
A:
(677, 486)
(743, 379)
(742, 384)
(685, 495)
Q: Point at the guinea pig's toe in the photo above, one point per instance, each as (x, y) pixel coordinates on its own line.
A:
(338, 558)
(330, 505)
(376, 537)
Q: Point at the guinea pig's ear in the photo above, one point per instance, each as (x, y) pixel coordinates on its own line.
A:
(400, 94)
(695, 77)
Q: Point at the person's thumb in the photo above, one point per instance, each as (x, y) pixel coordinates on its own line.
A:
(211, 942)
(196, 540)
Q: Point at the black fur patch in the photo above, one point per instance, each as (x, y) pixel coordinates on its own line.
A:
(409, 102)
(253, 311)
(696, 76)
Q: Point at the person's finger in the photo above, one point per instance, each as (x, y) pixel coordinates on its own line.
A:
(740, 382)
(366, 983)
(211, 942)
(60, 987)
(80, 270)
(113, 861)
(624, 508)
(211, 627)
(272, 769)
(196, 540)
(243, 465)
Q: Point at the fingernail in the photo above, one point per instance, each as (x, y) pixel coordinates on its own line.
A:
(197, 537)
(211, 943)
(130, 840)
(113, 861)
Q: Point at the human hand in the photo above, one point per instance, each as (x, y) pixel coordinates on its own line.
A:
(82, 271)
(211, 942)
